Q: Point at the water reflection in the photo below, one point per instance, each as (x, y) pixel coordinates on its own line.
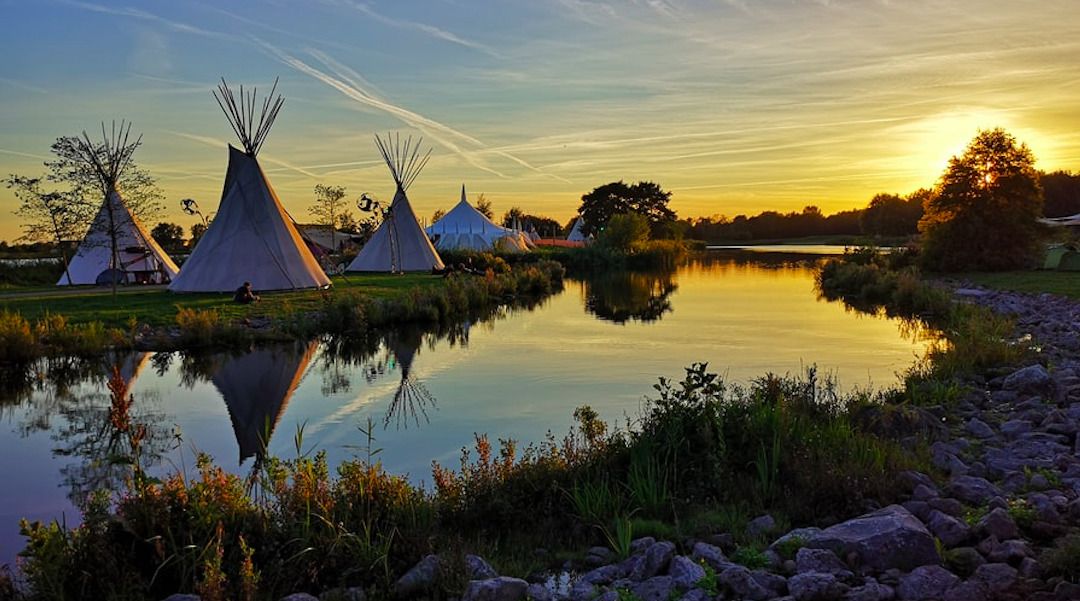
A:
(623, 296)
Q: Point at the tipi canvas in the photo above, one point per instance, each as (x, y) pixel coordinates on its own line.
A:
(576, 235)
(465, 228)
(252, 238)
(399, 244)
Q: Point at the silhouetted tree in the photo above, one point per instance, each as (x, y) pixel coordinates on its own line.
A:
(1061, 193)
(329, 204)
(545, 226)
(437, 215)
(647, 199)
(894, 215)
(169, 235)
(984, 211)
(484, 206)
(197, 231)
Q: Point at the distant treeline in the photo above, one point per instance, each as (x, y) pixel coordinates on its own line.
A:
(886, 215)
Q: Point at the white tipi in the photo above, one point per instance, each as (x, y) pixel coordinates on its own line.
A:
(252, 238)
(117, 248)
(466, 228)
(576, 235)
(399, 244)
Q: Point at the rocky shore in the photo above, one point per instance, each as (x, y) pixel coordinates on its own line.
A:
(999, 519)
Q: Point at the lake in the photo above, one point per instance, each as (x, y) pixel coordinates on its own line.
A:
(601, 342)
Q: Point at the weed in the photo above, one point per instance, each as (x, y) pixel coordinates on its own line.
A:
(788, 547)
(750, 556)
(1022, 512)
(1063, 559)
(708, 582)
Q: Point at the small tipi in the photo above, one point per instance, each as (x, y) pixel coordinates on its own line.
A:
(576, 235)
(116, 249)
(252, 238)
(465, 228)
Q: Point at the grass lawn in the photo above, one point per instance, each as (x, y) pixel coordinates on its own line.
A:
(1065, 283)
(158, 307)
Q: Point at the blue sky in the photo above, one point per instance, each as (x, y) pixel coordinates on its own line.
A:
(736, 106)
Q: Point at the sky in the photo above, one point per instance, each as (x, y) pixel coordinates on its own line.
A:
(736, 106)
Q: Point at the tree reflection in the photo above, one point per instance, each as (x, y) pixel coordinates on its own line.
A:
(623, 296)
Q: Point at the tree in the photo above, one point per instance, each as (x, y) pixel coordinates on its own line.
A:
(544, 226)
(197, 231)
(893, 215)
(47, 215)
(984, 212)
(643, 198)
(329, 203)
(625, 232)
(1061, 193)
(168, 235)
(484, 206)
(437, 215)
(346, 222)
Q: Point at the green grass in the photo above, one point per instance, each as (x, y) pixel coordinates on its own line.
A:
(1065, 283)
(158, 307)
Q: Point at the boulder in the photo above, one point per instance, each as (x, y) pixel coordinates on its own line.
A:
(657, 557)
(760, 526)
(997, 577)
(478, 568)
(182, 597)
(972, 489)
(949, 530)
(998, 523)
(603, 575)
(711, 555)
(978, 428)
(926, 583)
(887, 538)
(685, 573)
(657, 588)
(964, 560)
(352, 593)
(967, 591)
(539, 592)
(502, 588)
(599, 556)
(696, 594)
(871, 590)
(419, 579)
(740, 581)
(1014, 428)
(639, 545)
(822, 561)
(1033, 379)
(816, 586)
(299, 597)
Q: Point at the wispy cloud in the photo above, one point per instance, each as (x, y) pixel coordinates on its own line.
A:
(137, 13)
(22, 85)
(264, 157)
(424, 28)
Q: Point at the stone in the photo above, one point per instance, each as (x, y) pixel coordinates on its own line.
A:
(925, 583)
(967, 591)
(657, 557)
(820, 560)
(999, 524)
(478, 568)
(997, 577)
(773, 582)
(871, 590)
(760, 526)
(1009, 551)
(583, 591)
(712, 555)
(299, 597)
(503, 588)
(639, 545)
(606, 596)
(816, 586)
(887, 538)
(657, 588)
(539, 592)
(978, 428)
(599, 556)
(352, 593)
(741, 582)
(946, 505)
(420, 578)
(964, 560)
(1029, 568)
(684, 572)
(182, 597)
(951, 531)
(696, 594)
(1033, 379)
(972, 489)
(923, 492)
(1067, 591)
(1014, 428)
(603, 575)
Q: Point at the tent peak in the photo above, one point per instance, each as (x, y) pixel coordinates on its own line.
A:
(403, 158)
(239, 109)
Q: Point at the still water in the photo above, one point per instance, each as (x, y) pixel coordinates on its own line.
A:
(601, 342)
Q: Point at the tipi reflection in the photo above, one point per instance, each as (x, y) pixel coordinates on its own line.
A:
(411, 399)
(257, 387)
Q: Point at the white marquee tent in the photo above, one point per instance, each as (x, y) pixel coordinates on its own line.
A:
(465, 228)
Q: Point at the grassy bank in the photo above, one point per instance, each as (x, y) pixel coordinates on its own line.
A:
(1064, 283)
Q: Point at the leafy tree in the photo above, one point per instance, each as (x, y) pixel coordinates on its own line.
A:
(984, 211)
(346, 222)
(47, 215)
(168, 235)
(197, 231)
(484, 206)
(625, 232)
(437, 215)
(1061, 193)
(329, 204)
(545, 226)
(893, 215)
(643, 198)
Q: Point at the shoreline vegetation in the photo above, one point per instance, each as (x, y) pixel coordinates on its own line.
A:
(720, 470)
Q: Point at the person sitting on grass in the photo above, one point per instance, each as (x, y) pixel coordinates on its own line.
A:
(245, 295)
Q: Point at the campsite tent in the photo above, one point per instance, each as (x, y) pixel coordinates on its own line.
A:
(138, 258)
(256, 387)
(399, 244)
(252, 238)
(465, 228)
(116, 249)
(576, 234)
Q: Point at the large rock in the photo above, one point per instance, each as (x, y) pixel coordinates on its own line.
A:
(820, 560)
(685, 573)
(300, 597)
(972, 489)
(998, 523)
(816, 586)
(657, 588)
(538, 592)
(740, 581)
(926, 583)
(950, 530)
(712, 555)
(352, 593)
(887, 538)
(419, 579)
(502, 588)
(997, 577)
(1033, 379)
(871, 590)
(657, 557)
(478, 568)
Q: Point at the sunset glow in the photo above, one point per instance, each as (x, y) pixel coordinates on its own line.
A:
(736, 106)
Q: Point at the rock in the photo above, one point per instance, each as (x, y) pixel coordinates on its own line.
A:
(951, 531)
(657, 557)
(739, 580)
(603, 575)
(299, 597)
(639, 545)
(773, 582)
(712, 555)
(353, 593)
(1010, 551)
(657, 588)
(796, 538)
(887, 538)
(925, 583)
(583, 591)
(822, 561)
(1014, 428)
(502, 588)
(1029, 568)
(999, 524)
(964, 560)
(599, 556)
(696, 594)
(871, 590)
(479, 569)
(978, 428)
(685, 573)
(997, 577)
(1067, 591)
(923, 492)
(539, 592)
(420, 578)
(967, 591)
(760, 526)
(972, 489)
(724, 540)
(948, 506)
(1033, 379)
(612, 595)
(182, 597)
(816, 586)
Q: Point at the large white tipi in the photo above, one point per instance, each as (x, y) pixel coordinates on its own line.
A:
(465, 228)
(252, 238)
(399, 244)
(117, 249)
